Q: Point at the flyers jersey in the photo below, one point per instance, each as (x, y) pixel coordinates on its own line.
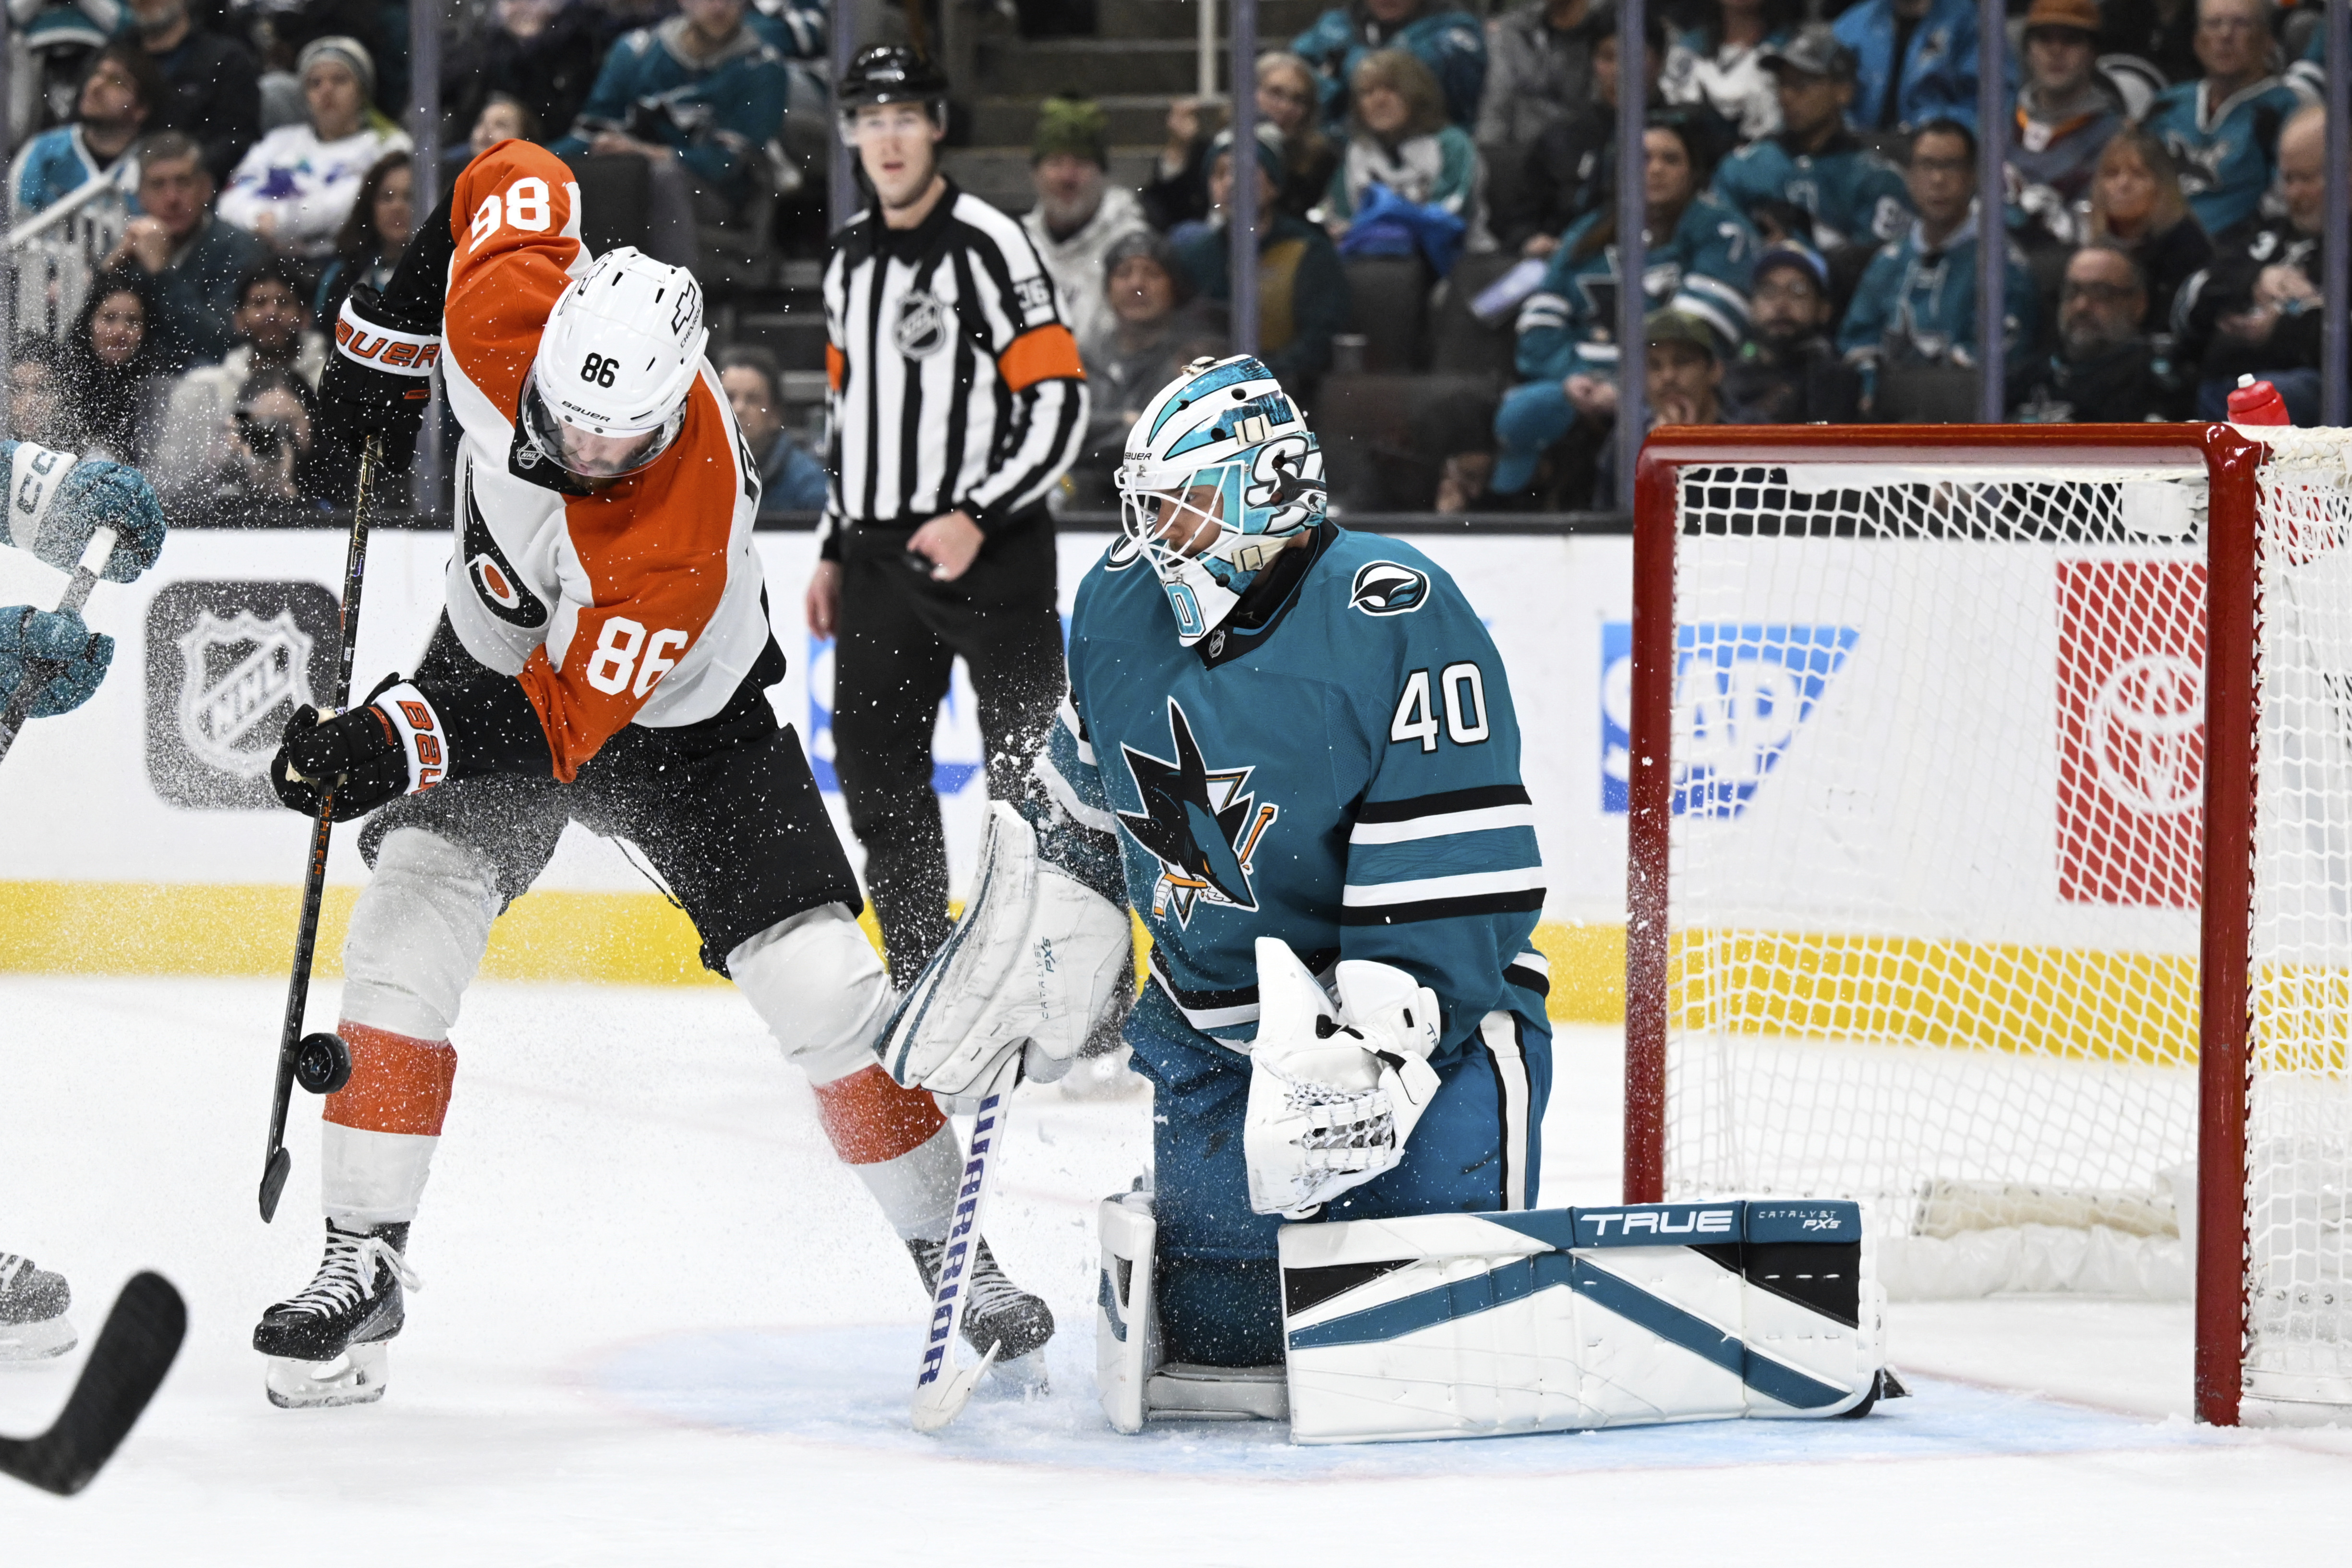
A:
(638, 603)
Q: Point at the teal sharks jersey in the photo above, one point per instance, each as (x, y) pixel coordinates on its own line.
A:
(1344, 776)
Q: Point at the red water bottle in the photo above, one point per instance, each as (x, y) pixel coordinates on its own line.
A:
(2257, 403)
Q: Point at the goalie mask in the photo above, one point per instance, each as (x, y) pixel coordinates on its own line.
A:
(607, 392)
(1221, 473)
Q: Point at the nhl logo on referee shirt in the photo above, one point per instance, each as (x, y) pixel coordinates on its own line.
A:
(921, 328)
(228, 663)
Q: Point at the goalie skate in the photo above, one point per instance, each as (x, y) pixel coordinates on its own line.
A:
(998, 1313)
(33, 1303)
(328, 1344)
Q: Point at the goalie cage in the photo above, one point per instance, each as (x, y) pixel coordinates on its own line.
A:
(1989, 799)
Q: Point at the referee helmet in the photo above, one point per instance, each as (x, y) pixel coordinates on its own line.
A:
(892, 73)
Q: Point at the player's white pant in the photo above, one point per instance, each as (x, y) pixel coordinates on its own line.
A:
(417, 940)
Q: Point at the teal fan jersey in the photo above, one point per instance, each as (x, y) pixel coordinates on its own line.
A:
(1345, 777)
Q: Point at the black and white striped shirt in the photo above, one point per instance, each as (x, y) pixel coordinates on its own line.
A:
(955, 382)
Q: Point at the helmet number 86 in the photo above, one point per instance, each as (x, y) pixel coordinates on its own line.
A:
(599, 369)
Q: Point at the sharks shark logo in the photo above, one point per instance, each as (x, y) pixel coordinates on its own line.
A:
(1199, 822)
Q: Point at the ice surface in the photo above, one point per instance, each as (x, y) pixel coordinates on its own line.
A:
(661, 1325)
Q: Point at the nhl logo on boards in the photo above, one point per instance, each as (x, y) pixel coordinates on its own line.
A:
(237, 674)
(921, 328)
(228, 663)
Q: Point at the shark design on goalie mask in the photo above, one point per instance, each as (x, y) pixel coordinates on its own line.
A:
(1197, 822)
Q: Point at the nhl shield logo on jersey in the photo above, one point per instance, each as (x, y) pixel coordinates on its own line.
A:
(1199, 823)
(1386, 588)
(242, 678)
(921, 328)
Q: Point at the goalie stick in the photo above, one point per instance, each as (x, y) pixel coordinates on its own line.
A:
(134, 1350)
(84, 577)
(321, 1062)
(942, 1388)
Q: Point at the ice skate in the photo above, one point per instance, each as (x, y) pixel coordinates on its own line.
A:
(998, 1312)
(33, 1303)
(330, 1344)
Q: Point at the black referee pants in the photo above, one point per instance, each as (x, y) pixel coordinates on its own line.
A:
(898, 635)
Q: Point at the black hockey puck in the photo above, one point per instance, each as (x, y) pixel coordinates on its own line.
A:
(323, 1063)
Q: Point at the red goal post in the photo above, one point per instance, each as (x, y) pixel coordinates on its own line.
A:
(1736, 944)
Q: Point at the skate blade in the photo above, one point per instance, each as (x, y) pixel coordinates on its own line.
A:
(358, 1376)
(43, 1340)
(937, 1404)
(1023, 1377)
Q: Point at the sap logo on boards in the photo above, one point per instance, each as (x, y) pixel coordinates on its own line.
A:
(1741, 692)
(2131, 731)
(228, 663)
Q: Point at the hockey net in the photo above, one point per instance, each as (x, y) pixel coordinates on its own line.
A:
(1922, 775)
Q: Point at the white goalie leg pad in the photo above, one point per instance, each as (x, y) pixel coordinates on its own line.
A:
(1477, 1325)
(1135, 1385)
(417, 935)
(817, 983)
(1126, 1319)
(1038, 957)
(1327, 1111)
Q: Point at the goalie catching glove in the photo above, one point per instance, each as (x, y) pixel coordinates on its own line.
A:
(1037, 962)
(1334, 1092)
(393, 744)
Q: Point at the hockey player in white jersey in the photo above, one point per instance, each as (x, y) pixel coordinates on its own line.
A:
(51, 663)
(603, 659)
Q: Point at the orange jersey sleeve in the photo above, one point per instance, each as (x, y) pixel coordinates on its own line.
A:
(515, 219)
(656, 549)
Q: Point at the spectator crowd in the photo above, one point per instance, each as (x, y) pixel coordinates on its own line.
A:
(199, 183)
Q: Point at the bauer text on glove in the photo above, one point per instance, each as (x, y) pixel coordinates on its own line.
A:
(391, 745)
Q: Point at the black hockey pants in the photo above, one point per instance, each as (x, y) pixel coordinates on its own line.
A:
(898, 635)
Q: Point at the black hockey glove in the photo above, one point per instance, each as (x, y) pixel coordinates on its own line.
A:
(379, 380)
(391, 745)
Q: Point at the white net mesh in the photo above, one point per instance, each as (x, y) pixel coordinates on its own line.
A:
(1933, 866)
(2299, 1109)
(1935, 860)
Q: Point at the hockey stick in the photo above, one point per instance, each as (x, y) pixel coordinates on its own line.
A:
(93, 561)
(942, 1389)
(134, 1350)
(321, 1061)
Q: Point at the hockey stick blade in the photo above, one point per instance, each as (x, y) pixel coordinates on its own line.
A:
(134, 1350)
(941, 1388)
(273, 1181)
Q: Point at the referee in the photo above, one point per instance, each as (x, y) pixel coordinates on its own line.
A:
(956, 402)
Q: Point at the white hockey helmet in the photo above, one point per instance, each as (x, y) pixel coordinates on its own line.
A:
(1225, 426)
(617, 363)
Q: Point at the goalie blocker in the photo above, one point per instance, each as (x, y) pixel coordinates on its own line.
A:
(1548, 1319)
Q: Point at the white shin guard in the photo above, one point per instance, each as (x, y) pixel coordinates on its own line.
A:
(417, 935)
(1135, 1383)
(816, 983)
(1474, 1325)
